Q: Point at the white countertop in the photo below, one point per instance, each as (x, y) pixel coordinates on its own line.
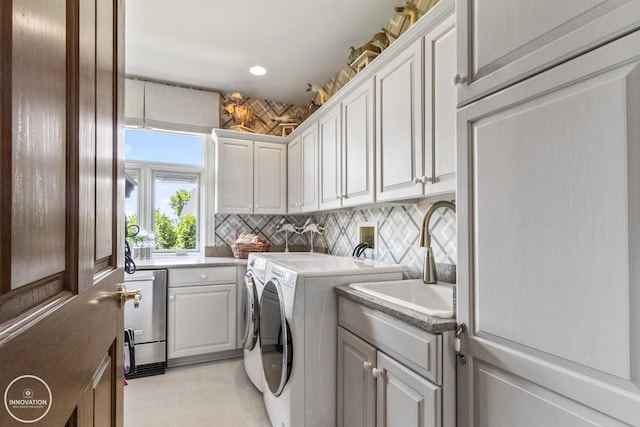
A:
(186, 261)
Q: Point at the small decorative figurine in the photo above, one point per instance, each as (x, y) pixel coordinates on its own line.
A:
(324, 95)
(243, 114)
(409, 8)
(311, 227)
(287, 228)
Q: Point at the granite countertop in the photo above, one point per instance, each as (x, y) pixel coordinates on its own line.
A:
(431, 324)
(186, 261)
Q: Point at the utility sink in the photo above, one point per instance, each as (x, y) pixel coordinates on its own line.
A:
(432, 300)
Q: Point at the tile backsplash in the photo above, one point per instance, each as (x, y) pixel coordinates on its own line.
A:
(398, 232)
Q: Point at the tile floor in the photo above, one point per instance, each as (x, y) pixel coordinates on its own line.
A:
(217, 394)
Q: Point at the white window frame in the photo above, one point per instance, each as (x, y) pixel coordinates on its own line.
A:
(146, 172)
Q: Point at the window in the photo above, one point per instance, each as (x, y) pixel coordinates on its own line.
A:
(166, 204)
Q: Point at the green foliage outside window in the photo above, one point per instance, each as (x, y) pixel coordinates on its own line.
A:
(179, 233)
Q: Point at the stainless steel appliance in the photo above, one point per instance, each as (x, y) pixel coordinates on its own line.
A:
(148, 322)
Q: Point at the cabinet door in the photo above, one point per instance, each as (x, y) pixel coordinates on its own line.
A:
(309, 198)
(356, 384)
(357, 146)
(399, 151)
(201, 320)
(234, 176)
(330, 159)
(294, 176)
(549, 235)
(503, 41)
(440, 109)
(270, 178)
(404, 399)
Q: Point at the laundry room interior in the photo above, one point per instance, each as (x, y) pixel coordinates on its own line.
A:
(324, 214)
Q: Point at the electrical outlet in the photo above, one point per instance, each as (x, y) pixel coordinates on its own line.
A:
(368, 232)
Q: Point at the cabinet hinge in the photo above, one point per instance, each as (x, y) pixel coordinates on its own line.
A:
(456, 342)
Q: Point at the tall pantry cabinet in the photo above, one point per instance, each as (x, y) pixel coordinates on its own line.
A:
(549, 212)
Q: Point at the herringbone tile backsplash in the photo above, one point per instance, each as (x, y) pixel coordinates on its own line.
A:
(398, 232)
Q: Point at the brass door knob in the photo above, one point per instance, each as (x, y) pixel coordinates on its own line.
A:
(123, 295)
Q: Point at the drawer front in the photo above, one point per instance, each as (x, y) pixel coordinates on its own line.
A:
(201, 276)
(417, 349)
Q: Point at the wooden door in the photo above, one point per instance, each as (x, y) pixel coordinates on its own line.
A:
(549, 247)
(399, 144)
(330, 159)
(356, 384)
(61, 256)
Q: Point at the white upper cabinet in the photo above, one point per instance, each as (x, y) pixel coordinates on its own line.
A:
(303, 171)
(234, 176)
(416, 114)
(294, 177)
(504, 41)
(357, 146)
(251, 176)
(346, 150)
(399, 143)
(330, 159)
(309, 172)
(269, 178)
(440, 109)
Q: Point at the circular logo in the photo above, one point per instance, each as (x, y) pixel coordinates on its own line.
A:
(27, 399)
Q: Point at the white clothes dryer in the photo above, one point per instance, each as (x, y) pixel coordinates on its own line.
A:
(298, 333)
(250, 318)
(250, 308)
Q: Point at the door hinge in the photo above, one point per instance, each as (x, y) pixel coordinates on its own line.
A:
(456, 342)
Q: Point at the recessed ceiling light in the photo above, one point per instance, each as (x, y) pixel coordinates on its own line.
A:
(258, 70)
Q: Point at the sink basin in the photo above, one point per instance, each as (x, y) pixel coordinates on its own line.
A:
(432, 300)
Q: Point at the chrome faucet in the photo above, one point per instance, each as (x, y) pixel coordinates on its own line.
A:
(429, 271)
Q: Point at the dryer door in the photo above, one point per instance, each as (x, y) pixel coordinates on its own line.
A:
(275, 338)
(250, 312)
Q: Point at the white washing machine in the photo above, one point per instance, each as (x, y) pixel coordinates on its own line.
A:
(298, 334)
(250, 318)
(250, 309)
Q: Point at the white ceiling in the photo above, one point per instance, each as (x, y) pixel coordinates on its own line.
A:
(212, 43)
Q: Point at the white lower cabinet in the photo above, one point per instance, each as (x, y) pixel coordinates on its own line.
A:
(391, 373)
(202, 311)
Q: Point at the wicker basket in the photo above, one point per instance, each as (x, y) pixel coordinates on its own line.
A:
(243, 251)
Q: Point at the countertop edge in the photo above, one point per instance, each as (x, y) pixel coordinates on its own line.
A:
(434, 325)
(187, 262)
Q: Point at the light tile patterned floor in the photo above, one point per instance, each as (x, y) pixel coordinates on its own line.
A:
(217, 394)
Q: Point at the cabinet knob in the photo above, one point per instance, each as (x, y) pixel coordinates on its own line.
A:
(366, 365)
(203, 277)
(425, 179)
(458, 79)
(257, 206)
(416, 180)
(377, 373)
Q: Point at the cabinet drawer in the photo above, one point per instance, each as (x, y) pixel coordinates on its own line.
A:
(201, 276)
(417, 349)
